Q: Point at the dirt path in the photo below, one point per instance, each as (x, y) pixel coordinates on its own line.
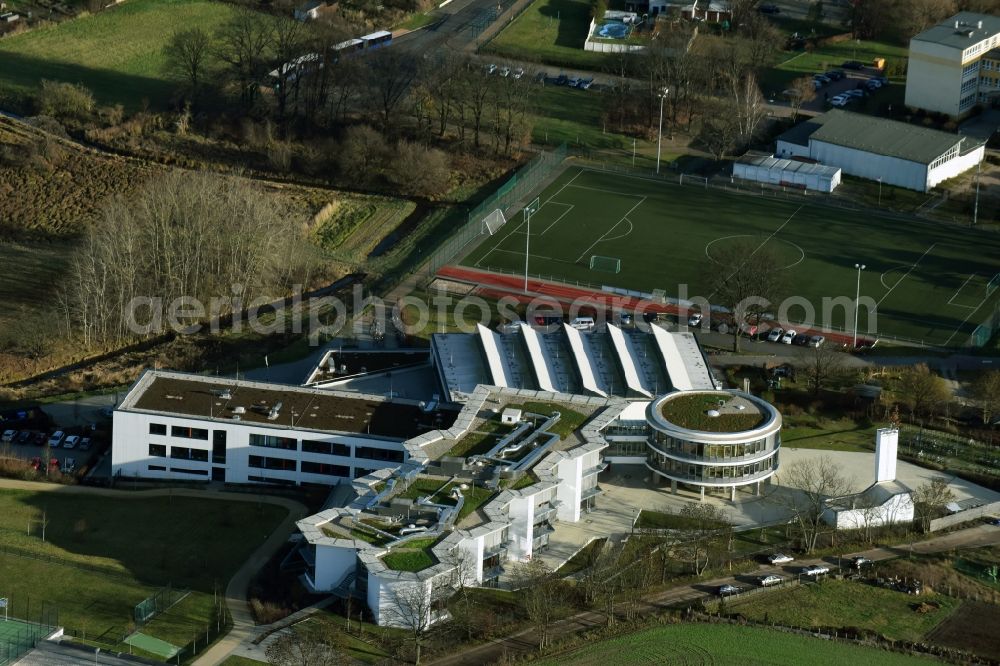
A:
(525, 642)
(236, 590)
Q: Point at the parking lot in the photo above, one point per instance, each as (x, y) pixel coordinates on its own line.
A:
(38, 447)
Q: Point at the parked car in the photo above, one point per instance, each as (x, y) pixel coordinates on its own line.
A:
(779, 558)
(519, 72)
(860, 562)
(626, 319)
(839, 100)
(8, 435)
(24, 437)
(835, 74)
(881, 79)
(56, 440)
(852, 64)
(650, 317)
(71, 442)
(38, 438)
(856, 93)
(789, 335)
(69, 466)
(768, 580)
(85, 444)
(801, 339)
(541, 76)
(822, 79)
(775, 334)
(727, 590)
(695, 319)
(573, 81)
(815, 570)
(561, 80)
(995, 522)
(505, 71)
(817, 85)
(586, 83)
(768, 8)
(816, 341)
(491, 68)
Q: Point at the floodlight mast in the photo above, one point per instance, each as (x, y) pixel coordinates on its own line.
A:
(857, 304)
(659, 136)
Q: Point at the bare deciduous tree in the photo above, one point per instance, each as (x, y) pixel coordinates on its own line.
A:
(808, 484)
(826, 365)
(187, 57)
(802, 92)
(297, 648)
(745, 276)
(541, 596)
(986, 393)
(922, 390)
(244, 44)
(930, 500)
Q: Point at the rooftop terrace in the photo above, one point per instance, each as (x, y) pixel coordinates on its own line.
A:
(716, 411)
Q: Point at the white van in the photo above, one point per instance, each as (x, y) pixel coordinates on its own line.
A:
(583, 323)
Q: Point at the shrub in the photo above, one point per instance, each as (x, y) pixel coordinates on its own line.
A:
(64, 100)
(419, 170)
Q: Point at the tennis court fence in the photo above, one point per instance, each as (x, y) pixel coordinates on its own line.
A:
(18, 636)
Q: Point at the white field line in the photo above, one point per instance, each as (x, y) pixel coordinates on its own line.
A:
(951, 301)
(604, 235)
(906, 274)
(763, 243)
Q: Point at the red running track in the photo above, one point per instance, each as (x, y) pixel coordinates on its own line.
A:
(497, 285)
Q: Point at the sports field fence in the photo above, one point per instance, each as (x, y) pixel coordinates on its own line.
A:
(526, 180)
(156, 603)
(989, 327)
(23, 625)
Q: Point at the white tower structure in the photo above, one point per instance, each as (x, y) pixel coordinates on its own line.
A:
(886, 443)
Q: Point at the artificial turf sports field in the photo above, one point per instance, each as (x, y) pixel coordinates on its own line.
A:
(929, 281)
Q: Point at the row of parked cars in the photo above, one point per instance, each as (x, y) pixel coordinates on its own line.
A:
(862, 89)
(58, 439)
(793, 337)
(505, 71)
(811, 571)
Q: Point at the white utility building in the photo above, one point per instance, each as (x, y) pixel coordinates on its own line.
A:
(788, 173)
(892, 152)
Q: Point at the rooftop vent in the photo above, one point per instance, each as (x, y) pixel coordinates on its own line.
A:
(239, 410)
(979, 24)
(225, 394)
(712, 413)
(173, 397)
(273, 413)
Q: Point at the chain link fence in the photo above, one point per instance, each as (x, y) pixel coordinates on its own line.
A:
(517, 188)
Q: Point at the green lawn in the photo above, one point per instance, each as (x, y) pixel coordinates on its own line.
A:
(725, 644)
(550, 32)
(792, 65)
(929, 282)
(127, 548)
(414, 555)
(842, 435)
(117, 53)
(569, 420)
(842, 603)
(242, 661)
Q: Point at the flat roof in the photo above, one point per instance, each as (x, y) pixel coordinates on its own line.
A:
(946, 34)
(885, 137)
(702, 411)
(779, 163)
(214, 398)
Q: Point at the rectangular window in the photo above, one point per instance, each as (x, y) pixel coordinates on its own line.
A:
(371, 453)
(326, 470)
(157, 429)
(361, 471)
(273, 442)
(186, 432)
(328, 448)
(184, 453)
(219, 446)
(192, 472)
(156, 468)
(158, 450)
(264, 462)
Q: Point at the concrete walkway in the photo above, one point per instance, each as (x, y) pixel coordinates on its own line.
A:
(236, 590)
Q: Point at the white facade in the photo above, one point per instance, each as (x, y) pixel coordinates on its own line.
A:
(945, 62)
(791, 173)
(894, 153)
(880, 505)
(886, 443)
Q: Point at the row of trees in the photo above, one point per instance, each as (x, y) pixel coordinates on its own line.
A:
(291, 70)
(193, 239)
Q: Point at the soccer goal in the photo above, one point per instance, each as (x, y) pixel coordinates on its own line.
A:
(605, 264)
(493, 222)
(692, 179)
